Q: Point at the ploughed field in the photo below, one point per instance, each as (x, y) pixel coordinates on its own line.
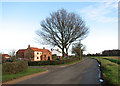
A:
(114, 57)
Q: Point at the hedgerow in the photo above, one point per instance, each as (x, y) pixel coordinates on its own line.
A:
(14, 67)
(51, 62)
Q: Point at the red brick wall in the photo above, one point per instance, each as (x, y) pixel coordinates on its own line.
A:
(29, 53)
(20, 54)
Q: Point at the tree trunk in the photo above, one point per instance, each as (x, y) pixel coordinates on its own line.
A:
(67, 47)
(63, 52)
(67, 51)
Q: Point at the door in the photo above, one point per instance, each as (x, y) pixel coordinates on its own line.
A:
(48, 57)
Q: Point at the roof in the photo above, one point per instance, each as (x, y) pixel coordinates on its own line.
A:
(41, 50)
(21, 50)
(5, 55)
(34, 49)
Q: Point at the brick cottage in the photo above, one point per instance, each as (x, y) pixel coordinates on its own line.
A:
(34, 54)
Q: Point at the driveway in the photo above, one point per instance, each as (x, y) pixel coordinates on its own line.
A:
(84, 72)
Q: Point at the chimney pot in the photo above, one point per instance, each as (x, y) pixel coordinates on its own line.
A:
(28, 46)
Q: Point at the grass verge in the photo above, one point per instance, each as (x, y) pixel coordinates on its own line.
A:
(109, 71)
(28, 71)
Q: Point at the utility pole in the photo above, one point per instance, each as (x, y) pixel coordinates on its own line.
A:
(80, 50)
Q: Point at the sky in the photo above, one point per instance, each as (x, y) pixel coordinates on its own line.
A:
(20, 21)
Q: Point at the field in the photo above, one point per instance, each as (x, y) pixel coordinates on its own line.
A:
(114, 57)
(109, 68)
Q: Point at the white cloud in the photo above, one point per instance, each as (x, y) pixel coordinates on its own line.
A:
(101, 12)
(113, 4)
(103, 18)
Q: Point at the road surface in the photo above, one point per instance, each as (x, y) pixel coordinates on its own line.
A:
(84, 72)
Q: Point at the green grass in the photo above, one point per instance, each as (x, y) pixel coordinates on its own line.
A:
(109, 70)
(28, 71)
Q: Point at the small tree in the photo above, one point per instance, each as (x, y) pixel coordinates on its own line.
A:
(78, 49)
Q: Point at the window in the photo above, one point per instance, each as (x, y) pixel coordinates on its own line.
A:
(37, 53)
(37, 57)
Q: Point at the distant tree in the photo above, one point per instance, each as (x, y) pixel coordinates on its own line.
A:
(111, 52)
(97, 54)
(61, 29)
(12, 53)
(78, 49)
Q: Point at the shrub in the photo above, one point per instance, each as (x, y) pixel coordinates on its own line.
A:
(9, 60)
(53, 62)
(54, 56)
(14, 67)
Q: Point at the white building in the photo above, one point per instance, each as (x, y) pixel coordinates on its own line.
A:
(56, 51)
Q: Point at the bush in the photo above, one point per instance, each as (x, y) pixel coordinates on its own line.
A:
(54, 56)
(53, 62)
(14, 67)
(9, 60)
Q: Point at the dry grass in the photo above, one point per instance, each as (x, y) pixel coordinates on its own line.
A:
(113, 57)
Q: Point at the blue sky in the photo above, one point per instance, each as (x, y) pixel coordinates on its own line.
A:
(20, 20)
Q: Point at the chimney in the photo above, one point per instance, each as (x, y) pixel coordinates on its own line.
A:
(28, 46)
(43, 47)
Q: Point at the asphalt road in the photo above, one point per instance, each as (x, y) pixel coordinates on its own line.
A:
(84, 72)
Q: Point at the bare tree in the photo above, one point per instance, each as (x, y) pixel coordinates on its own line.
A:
(12, 53)
(78, 49)
(61, 29)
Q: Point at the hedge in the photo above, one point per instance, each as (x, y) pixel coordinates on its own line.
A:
(14, 67)
(51, 62)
